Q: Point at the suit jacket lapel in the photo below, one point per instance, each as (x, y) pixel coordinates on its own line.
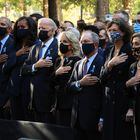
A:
(93, 65)
(49, 50)
(80, 69)
(38, 48)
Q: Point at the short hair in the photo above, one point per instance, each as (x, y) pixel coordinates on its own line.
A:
(134, 36)
(8, 21)
(50, 21)
(124, 15)
(67, 21)
(74, 41)
(138, 13)
(125, 28)
(95, 37)
(37, 15)
(92, 28)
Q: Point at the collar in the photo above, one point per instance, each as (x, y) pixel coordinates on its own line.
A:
(3, 41)
(48, 43)
(92, 57)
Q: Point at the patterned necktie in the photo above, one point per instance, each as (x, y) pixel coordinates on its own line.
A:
(85, 67)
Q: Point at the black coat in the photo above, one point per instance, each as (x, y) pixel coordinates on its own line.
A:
(5, 69)
(87, 101)
(64, 100)
(116, 100)
(134, 93)
(42, 88)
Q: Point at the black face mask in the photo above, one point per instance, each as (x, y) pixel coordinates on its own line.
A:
(64, 48)
(3, 31)
(87, 49)
(22, 33)
(43, 35)
(136, 52)
(102, 43)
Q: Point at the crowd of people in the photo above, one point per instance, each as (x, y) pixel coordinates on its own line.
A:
(85, 77)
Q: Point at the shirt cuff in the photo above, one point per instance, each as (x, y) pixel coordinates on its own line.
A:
(33, 68)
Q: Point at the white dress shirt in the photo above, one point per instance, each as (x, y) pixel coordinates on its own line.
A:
(90, 60)
(47, 44)
(3, 41)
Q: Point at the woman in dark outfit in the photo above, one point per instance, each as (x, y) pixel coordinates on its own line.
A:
(114, 75)
(133, 83)
(69, 54)
(25, 34)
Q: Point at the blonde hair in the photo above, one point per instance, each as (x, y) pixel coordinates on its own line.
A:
(74, 41)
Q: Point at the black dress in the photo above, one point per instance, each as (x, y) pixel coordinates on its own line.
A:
(116, 100)
(64, 100)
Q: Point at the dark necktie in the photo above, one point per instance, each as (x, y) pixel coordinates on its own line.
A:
(41, 51)
(0, 47)
(85, 67)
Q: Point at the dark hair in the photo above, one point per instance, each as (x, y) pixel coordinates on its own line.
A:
(138, 13)
(67, 21)
(31, 38)
(37, 15)
(125, 28)
(92, 28)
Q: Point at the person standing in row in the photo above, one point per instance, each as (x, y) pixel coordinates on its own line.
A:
(133, 84)
(7, 51)
(114, 75)
(85, 85)
(69, 49)
(40, 65)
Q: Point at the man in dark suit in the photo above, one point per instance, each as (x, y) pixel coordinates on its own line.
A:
(85, 85)
(41, 65)
(6, 60)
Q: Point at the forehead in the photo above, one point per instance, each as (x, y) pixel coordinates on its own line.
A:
(44, 23)
(136, 39)
(114, 26)
(86, 35)
(22, 22)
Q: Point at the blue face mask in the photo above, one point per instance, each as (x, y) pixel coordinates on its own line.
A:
(136, 27)
(115, 36)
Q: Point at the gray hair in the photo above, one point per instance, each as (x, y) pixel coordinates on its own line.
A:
(8, 21)
(50, 21)
(95, 37)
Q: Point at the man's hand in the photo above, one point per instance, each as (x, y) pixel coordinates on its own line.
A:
(23, 50)
(89, 80)
(3, 58)
(116, 60)
(61, 70)
(43, 63)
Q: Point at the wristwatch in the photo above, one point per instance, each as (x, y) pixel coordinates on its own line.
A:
(77, 84)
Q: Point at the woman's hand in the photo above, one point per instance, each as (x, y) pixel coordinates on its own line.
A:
(116, 60)
(61, 70)
(23, 50)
